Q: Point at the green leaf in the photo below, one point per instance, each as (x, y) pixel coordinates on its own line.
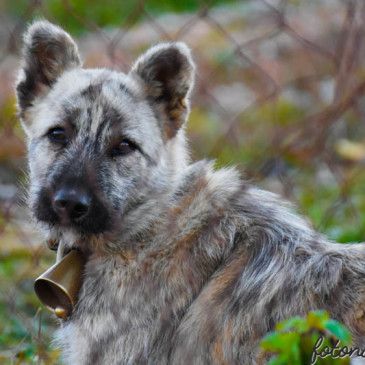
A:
(297, 323)
(318, 319)
(278, 341)
(296, 347)
(339, 331)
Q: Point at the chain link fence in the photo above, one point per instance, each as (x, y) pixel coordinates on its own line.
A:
(279, 92)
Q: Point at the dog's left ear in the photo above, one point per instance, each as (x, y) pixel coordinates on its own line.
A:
(47, 53)
(166, 72)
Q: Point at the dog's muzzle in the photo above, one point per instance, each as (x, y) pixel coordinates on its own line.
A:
(59, 286)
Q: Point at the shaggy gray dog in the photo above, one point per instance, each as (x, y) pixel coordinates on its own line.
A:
(186, 265)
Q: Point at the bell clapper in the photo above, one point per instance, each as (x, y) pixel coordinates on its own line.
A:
(61, 312)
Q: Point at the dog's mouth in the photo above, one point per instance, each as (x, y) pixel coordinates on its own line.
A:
(67, 251)
(82, 244)
(85, 250)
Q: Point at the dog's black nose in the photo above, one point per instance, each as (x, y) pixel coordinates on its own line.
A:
(71, 203)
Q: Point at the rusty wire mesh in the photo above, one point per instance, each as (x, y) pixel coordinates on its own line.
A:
(279, 92)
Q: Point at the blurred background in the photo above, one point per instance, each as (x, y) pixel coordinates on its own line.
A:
(279, 92)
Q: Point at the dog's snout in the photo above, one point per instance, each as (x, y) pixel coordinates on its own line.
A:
(71, 203)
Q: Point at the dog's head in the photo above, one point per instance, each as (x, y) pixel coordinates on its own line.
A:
(104, 147)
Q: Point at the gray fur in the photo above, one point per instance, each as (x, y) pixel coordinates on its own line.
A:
(187, 265)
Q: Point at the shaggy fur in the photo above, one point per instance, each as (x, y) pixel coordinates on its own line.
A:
(186, 265)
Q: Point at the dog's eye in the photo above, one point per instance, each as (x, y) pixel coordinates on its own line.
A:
(123, 148)
(58, 135)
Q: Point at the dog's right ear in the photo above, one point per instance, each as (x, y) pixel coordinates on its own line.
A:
(48, 51)
(166, 73)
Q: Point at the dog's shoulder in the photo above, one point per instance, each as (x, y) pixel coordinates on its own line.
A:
(206, 192)
(207, 196)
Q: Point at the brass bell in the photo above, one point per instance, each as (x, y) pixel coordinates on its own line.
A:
(58, 287)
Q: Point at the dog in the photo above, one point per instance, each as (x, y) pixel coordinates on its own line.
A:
(185, 264)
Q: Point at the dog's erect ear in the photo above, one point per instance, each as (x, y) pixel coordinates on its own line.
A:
(48, 51)
(167, 74)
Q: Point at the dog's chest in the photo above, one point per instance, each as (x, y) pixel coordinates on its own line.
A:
(130, 308)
